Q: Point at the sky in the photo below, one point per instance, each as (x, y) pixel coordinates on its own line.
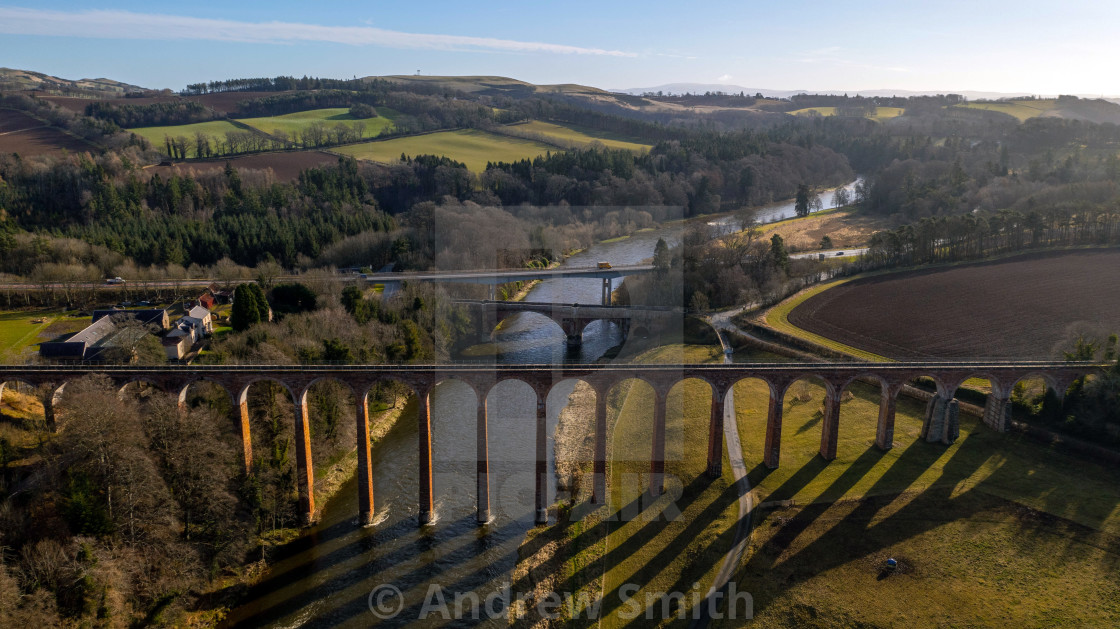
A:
(1027, 46)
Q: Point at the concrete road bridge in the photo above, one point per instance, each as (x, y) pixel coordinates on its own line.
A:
(573, 318)
(940, 420)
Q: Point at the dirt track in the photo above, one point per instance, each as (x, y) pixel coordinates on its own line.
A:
(1031, 306)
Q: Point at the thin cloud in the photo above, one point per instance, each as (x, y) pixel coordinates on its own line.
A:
(128, 25)
(723, 78)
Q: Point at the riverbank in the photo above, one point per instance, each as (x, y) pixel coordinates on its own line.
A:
(225, 594)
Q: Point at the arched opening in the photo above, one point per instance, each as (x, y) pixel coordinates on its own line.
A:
(268, 406)
(1035, 397)
(980, 397)
(23, 423)
(861, 407)
(609, 331)
(21, 401)
(332, 410)
(751, 397)
(572, 436)
(688, 414)
(511, 412)
(454, 413)
(518, 325)
(140, 388)
(631, 405)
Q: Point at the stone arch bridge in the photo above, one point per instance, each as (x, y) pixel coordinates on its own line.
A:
(940, 422)
(573, 318)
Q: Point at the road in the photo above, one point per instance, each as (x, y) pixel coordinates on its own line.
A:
(491, 276)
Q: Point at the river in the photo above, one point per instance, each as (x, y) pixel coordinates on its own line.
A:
(326, 577)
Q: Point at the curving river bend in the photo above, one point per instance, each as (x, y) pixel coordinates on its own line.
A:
(337, 571)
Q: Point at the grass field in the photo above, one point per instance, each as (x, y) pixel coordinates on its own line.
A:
(472, 147)
(581, 135)
(215, 129)
(665, 553)
(881, 113)
(19, 333)
(971, 524)
(1021, 109)
(297, 122)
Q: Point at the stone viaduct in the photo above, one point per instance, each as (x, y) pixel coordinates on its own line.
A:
(573, 318)
(940, 423)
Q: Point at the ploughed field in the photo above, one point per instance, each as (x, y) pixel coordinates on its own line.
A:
(20, 133)
(1030, 306)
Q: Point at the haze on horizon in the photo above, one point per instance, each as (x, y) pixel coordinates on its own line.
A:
(1026, 46)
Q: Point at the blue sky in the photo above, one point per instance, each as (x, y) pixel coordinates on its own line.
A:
(945, 45)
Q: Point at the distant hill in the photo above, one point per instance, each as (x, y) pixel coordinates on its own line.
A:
(700, 88)
(18, 80)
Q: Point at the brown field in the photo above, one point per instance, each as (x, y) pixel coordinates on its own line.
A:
(20, 133)
(286, 166)
(1031, 306)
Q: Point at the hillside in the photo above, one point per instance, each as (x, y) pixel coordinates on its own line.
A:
(19, 80)
(1066, 107)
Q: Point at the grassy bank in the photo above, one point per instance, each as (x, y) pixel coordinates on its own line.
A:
(993, 530)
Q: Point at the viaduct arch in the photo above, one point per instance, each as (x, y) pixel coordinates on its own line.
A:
(421, 379)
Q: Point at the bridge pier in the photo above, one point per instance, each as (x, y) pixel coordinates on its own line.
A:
(606, 301)
(657, 457)
(715, 436)
(997, 411)
(830, 425)
(482, 456)
(773, 446)
(599, 472)
(365, 465)
(573, 331)
(424, 423)
(305, 471)
(884, 431)
(541, 475)
(242, 419)
(942, 420)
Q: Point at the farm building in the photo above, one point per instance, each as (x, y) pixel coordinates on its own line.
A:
(78, 346)
(111, 333)
(157, 316)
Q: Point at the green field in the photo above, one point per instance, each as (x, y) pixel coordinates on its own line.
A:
(297, 122)
(881, 113)
(580, 135)
(1021, 109)
(215, 129)
(19, 334)
(472, 147)
(972, 524)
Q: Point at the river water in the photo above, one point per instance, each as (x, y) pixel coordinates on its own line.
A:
(338, 573)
